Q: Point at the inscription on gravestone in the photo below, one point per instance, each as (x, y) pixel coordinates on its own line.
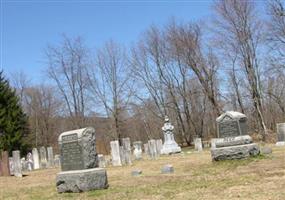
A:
(71, 152)
(228, 129)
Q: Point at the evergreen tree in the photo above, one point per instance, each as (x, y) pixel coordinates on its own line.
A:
(13, 121)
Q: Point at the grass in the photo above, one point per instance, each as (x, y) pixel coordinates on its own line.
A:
(195, 177)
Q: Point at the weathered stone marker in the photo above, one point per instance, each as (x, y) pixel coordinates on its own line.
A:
(36, 158)
(127, 152)
(57, 160)
(146, 149)
(5, 169)
(280, 134)
(158, 146)
(79, 162)
(30, 162)
(11, 165)
(137, 150)
(17, 164)
(152, 149)
(115, 152)
(43, 158)
(50, 160)
(234, 143)
(198, 144)
(169, 145)
(101, 160)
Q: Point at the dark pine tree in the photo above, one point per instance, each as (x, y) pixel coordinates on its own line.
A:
(13, 121)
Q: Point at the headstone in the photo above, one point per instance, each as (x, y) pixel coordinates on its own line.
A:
(102, 162)
(30, 162)
(43, 158)
(137, 150)
(146, 149)
(169, 145)
(158, 146)
(127, 150)
(36, 158)
(122, 155)
(50, 159)
(266, 150)
(24, 165)
(56, 160)
(234, 143)
(167, 169)
(152, 149)
(115, 152)
(11, 165)
(17, 164)
(198, 144)
(5, 170)
(136, 172)
(79, 162)
(280, 134)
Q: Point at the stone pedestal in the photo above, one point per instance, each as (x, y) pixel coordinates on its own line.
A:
(81, 180)
(169, 146)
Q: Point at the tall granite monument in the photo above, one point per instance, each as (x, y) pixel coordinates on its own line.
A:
(79, 162)
(233, 142)
(169, 145)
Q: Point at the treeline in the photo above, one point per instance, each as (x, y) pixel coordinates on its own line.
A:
(190, 71)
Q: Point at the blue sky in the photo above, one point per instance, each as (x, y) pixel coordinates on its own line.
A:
(27, 27)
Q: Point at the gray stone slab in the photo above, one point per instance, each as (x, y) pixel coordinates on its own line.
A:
(43, 158)
(265, 150)
(233, 141)
(136, 172)
(152, 149)
(81, 180)
(36, 159)
(167, 169)
(115, 153)
(235, 152)
(17, 164)
(127, 151)
(50, 160)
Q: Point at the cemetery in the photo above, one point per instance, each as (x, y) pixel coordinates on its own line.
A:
(142, 100)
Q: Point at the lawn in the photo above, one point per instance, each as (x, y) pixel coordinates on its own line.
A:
(195, 177)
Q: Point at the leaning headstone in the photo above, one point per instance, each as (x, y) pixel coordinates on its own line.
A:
(102, 162)
(152, 149)
(136, 172)
(30, 162)
(158, 146)
(137, 150)
(146, 149)
(234, 142)
(169, 145)
(79, 162)
(36, 158)
(198, 144)
(127, 151)
(17, 164)
(43, 158)
(115, 152)
(5, 170)
(11, 165)
(167, 169)
(56, 160)
(280, 134)
(50, 160)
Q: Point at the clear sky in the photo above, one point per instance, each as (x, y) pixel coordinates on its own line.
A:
(27, 27)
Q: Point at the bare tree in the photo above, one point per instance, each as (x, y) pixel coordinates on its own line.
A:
(109, 84)
(241, 33)
(67, 65)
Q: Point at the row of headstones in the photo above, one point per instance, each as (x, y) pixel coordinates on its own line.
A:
(15, 165)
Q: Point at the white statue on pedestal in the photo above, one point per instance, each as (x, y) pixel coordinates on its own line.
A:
(169, 146)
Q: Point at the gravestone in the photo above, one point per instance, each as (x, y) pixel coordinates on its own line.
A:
(136, 172)
(17, 164)
(198, 144)
(233, 142)
(158, 146)
(57, 160)
(102, 162)
(169, 145)
(79, 162)
(30, 162)
(11, 165)
(115, 153)
(167, 169)
(36, 158)
(127, 152)
(24, 165)
(50, 160)
(280, 134)
(43, 158)
(137, 150)
(146, 149)
(5, 169)
(152, 149)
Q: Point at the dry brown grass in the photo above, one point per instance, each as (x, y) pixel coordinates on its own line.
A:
(195, 177)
